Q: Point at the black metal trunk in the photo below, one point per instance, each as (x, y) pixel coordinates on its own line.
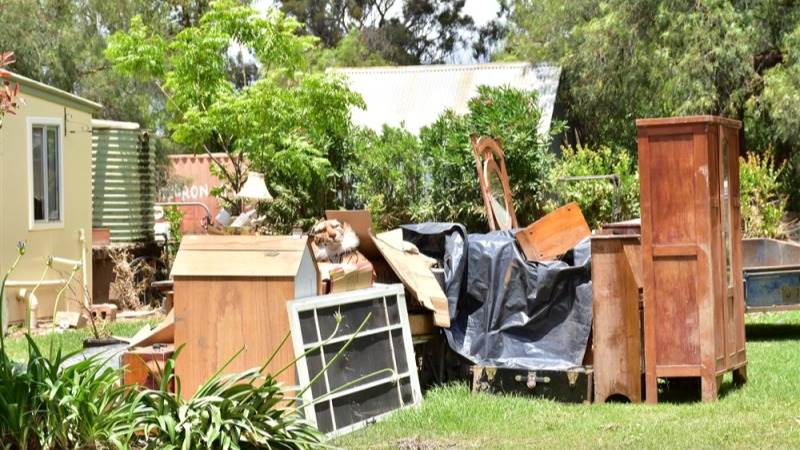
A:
(569, 386)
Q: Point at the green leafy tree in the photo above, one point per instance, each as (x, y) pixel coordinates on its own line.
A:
(625, 60)
(290, 123)
(404, 32)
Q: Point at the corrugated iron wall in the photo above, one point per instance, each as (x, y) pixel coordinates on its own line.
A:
(123, 190)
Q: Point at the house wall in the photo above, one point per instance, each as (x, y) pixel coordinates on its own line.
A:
(62, 241)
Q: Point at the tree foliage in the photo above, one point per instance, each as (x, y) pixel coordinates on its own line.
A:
(64, 42)
(762, 198)
(401, 32)
(601, 200)
(402, 178)
(625, 60)
(290, 124)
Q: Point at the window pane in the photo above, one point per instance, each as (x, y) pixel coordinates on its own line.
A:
(53, 213)
(38, 173)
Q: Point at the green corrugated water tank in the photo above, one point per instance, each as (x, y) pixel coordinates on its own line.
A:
(123, 190)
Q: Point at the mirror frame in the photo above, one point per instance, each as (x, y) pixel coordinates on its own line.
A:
(489, 155)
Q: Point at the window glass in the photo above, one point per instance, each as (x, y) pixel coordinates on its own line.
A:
(45, 159)
(726, 213)
(53, 210)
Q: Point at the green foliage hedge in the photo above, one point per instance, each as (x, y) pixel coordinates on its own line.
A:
(762, 199)
(402, 178)
(603, 200)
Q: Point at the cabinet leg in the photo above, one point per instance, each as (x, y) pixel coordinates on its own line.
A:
(740, 376)
(708, 388)
(651, 388)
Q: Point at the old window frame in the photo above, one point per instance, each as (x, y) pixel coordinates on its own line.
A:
(295, 307)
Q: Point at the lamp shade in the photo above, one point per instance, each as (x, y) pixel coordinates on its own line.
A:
(254, 189)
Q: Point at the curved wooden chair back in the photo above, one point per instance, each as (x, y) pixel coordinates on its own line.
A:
(491, 165)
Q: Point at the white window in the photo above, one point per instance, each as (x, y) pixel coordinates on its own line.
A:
(45, 173)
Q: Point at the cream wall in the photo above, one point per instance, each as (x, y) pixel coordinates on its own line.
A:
(14, 198)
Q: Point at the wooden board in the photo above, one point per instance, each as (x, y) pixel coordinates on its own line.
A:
(164, 333)
(361, 222)
(216, 317)
(554, 234)
(414, 270)
(616, 328)
(245, 256)
(144, 366)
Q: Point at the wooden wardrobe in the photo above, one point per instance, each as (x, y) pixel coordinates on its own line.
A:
(691, 251)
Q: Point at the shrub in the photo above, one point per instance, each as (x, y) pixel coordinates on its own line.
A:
(599, 199)
(390, 176)
(402, 178)
(510, 116)
(762, 201)
(243, 410)
(45, 405)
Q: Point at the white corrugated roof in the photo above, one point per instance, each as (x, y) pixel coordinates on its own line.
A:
(417, 95)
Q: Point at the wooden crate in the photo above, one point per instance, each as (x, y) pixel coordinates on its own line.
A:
(691, 251)
(144, 366)
(230, 294)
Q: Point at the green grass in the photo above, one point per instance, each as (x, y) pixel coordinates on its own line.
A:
(765, 413)
(71, 340)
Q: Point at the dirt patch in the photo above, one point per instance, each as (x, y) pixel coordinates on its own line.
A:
(419, 443)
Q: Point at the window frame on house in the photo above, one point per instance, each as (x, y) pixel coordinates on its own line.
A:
(45, 123)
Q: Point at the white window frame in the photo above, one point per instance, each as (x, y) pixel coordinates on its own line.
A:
(33, 224)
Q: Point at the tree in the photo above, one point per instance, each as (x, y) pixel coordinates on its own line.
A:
(623, 60)
(289, 123)
(406, 32)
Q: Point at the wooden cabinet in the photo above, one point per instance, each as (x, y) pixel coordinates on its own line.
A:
(616, 317)
(691, 251)
(230, 295)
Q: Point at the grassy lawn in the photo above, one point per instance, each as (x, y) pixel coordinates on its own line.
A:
(763, 414)
(71, 340)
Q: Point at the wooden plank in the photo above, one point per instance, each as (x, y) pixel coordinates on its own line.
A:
(201, 263)
(414, 270)
(554, 234)
(248, 242)
(616, 328)
(164, 333)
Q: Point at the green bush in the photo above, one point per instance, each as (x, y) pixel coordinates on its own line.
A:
(45, 405)
(402, 178)
(242, 410)
(762, 201)
(510, 116)
(390, 176)
(600, 201)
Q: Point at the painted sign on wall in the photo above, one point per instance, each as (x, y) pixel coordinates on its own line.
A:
(191, 180)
